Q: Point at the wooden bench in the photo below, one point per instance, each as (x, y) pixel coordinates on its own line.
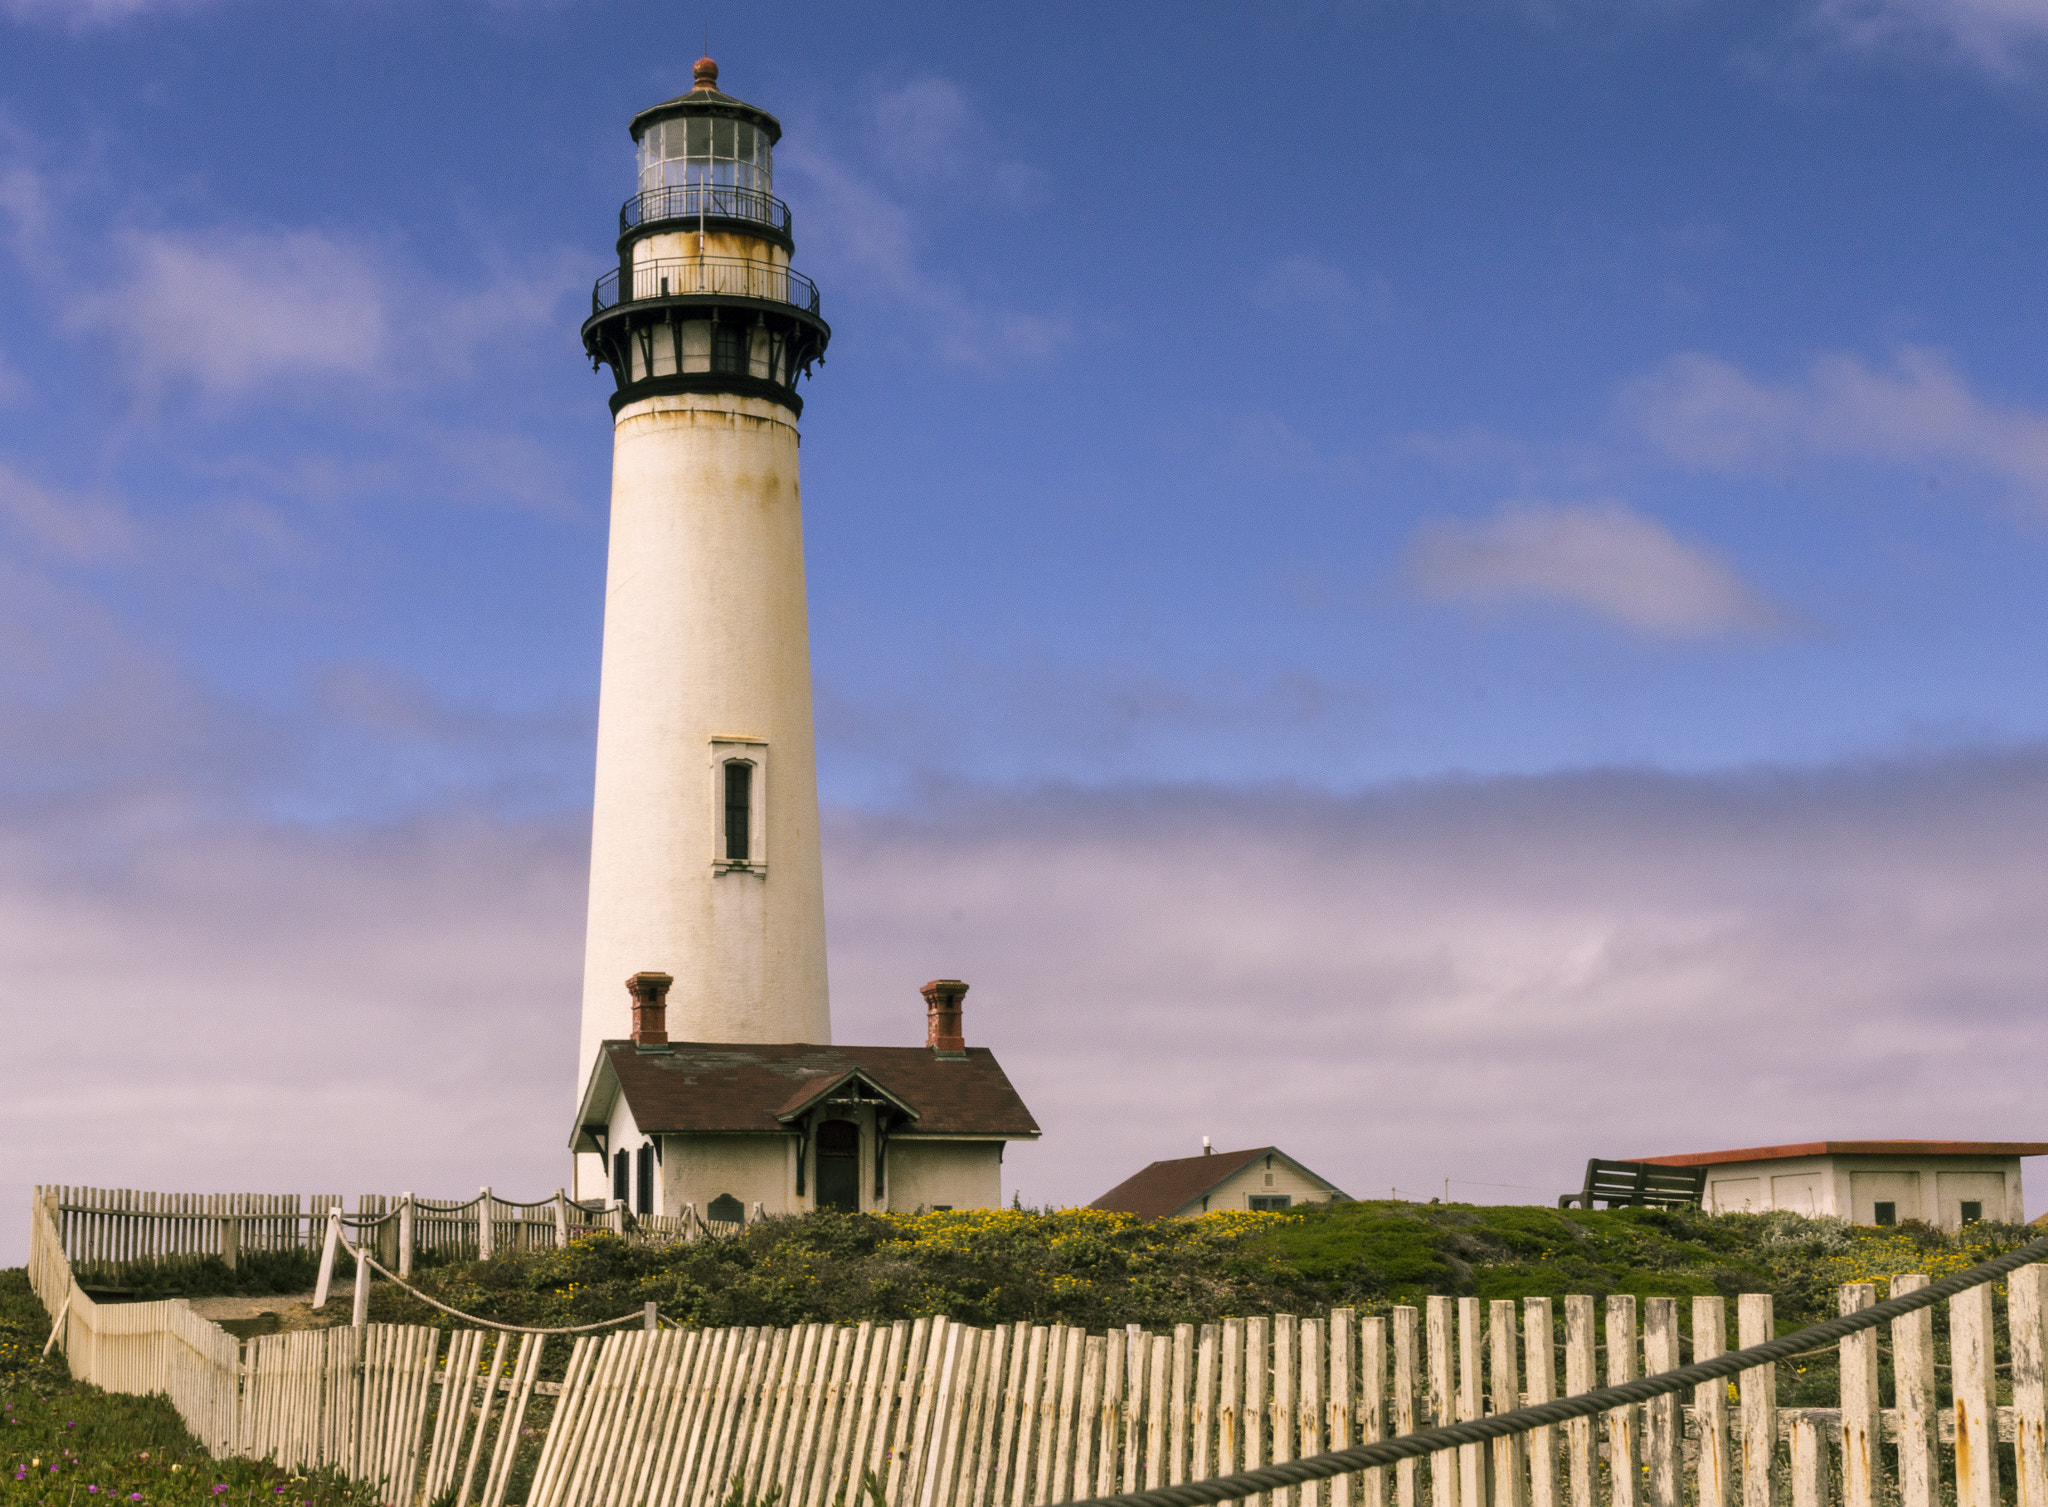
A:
(1639, 1185)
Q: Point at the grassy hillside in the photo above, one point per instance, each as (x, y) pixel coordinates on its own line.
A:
(1082, 1267)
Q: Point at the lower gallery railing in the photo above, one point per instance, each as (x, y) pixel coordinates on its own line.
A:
(950, 1415)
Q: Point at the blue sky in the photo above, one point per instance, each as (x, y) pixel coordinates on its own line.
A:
(1575, 471)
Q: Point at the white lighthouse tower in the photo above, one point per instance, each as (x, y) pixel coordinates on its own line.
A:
(704, 860)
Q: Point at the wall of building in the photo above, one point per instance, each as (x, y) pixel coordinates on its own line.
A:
(944, 1174)
(699, 1169)
(1930, 1188)
(1265, 1177)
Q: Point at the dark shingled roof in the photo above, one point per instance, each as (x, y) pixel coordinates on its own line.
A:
(742, 1086)
(1165, 1188)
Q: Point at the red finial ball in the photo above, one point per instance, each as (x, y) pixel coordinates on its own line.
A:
(706, 74)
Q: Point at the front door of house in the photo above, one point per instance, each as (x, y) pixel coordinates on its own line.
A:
(839, 1166)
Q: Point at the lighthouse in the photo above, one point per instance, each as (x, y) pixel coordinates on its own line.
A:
(704, 857)
(711, 1090)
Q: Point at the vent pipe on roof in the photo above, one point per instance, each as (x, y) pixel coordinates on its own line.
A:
(1207, 1149)
(650, 1008)
(943, 1032)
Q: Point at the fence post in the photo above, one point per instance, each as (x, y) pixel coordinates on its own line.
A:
(1755, 1322)
(1710, 1404)
(359, 1314)
(486, 1233)
(1624, 1448)
(1664, 1430)
(405, 1234)
(2026, 1312)
(1581, 1375)
(561, 1219)
(1860, 1453)
(1969, 1353)
(1913, 1378)
(230, 1241)
(327, 1252)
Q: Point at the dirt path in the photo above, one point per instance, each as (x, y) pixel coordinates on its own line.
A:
(278, 1313)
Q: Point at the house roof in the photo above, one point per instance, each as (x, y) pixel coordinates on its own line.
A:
(725, 1087)
(1165, 1188)
(1852, 1148)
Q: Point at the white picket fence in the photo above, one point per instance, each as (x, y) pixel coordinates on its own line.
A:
(106, 1232)
(950, 1415)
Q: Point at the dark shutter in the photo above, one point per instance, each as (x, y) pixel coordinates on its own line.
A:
(643, 1194)
(619, 1176)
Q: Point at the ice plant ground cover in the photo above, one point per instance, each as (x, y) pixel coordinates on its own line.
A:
(63, 1442)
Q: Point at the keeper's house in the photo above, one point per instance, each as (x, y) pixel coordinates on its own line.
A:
(1264, 1177)
(724, 1127)
(1946, 1183)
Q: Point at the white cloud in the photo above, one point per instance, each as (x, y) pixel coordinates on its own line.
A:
(80, 14)
(237, 314)
(1488, 981)
(67, 527)
(1306, 279)
(1993, 34)
(1709, 414)
(1602, 557)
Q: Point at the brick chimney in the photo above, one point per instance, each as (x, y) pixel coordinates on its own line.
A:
(650, 1008)
(942, 999)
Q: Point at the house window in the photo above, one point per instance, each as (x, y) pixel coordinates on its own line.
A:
(643, 1180)
(1887, 1213)
(1269, 1203)
(1972, 1211)
(739, 810)
(619, 1176)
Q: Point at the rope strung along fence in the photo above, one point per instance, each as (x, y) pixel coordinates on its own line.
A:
(1585, 1405)
(628, 1318)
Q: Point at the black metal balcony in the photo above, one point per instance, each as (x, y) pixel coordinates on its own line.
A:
(717, 276)
(704, 201)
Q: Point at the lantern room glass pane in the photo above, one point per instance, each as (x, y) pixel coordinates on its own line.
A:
(705, 149)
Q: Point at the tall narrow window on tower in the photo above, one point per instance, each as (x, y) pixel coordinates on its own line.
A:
(739, 806)
(739, 811)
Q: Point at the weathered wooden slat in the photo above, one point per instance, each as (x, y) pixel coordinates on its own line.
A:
(1661, 1424)
(1759, 1390)
(1971, 1361)
(1540, 1363)
(1504, 1392)
(1623, 1442)
(1340, 1421)
(1405, 1381)
(1580, 1375)
(1809, 1466)
(1913, 1387)
(1860, 1464)
(1443, 1400)
(1710, 1405)
(2026, 1316)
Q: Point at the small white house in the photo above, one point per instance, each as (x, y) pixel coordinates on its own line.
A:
(788, 1127)
(1946, 1183)
(1261, 1178)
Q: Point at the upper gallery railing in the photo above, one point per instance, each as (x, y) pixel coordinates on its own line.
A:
(736, 277)
(690, 201)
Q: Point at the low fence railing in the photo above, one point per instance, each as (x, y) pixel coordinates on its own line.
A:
(731, 276)
(953, 1415)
